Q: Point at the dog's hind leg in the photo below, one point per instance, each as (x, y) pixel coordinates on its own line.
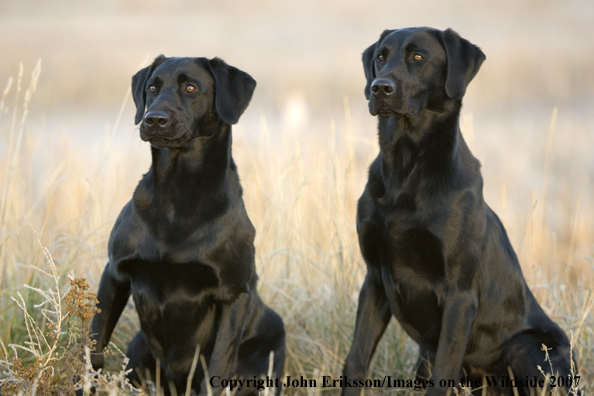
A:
(525, 356)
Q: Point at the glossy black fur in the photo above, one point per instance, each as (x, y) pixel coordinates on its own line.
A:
(183, 246)
(438, 258)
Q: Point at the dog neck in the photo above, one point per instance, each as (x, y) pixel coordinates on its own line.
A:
(205, 159)
(426, 146)
(188, 187)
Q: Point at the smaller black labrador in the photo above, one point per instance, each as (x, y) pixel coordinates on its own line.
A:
(438, 258)
(183, 246)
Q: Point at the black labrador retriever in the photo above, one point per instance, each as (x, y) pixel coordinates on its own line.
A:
(183, 246)
(438, 258)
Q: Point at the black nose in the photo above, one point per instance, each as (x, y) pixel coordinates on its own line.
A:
(383, 87)
(157, 119)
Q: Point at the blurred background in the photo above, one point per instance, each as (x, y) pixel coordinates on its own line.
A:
(71, 156)
(305, 56)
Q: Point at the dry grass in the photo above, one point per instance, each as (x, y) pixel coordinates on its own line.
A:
(300, 192)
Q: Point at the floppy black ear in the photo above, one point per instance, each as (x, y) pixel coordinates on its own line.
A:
(138, 85)
(233, 89)
(464, 61)
(368, 68)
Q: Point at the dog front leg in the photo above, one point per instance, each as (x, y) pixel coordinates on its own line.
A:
(229, 335)
(112, 296)
(373, 316)
(458, 315)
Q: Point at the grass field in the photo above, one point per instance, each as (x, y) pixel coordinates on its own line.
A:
(70, 159)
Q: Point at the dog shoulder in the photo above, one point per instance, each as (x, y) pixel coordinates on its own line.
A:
(127, 231)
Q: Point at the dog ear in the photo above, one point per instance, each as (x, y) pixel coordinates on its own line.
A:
(138, 85)
(233, 89)
(368, 68)
(464, 61)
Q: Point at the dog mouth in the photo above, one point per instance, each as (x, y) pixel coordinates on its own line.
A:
(158, 141)
(385, 112)
(382, 110)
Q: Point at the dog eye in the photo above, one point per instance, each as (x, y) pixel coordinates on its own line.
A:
(417, 57)
(380, 57)
(152, 88)
(190, 88)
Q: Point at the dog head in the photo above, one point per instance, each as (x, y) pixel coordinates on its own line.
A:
(185, 97)
(416, 68)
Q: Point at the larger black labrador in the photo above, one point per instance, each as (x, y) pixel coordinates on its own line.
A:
(438, 258)
(183, 246)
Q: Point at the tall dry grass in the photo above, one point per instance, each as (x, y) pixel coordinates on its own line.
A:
(300, 191)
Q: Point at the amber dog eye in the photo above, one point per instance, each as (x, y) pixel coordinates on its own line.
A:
(418, 57)
(152, 88)
(380, 57)
(190, 89)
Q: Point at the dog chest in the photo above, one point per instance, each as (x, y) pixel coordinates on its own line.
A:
(404, 251)
(414, 274)
(415, 306)
(165, 282)
(412, 266)
(176, 304)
